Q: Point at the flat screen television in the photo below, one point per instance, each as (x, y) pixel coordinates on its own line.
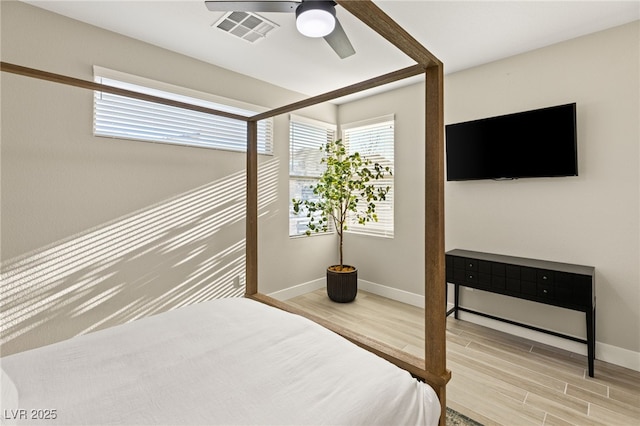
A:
(536, 143)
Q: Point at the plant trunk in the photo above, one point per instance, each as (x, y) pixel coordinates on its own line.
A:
(340, 237)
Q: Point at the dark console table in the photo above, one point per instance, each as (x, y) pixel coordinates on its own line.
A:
(552, 283)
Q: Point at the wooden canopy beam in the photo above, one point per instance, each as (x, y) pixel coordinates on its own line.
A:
(375, 18)
(77, 82)
(345, 91)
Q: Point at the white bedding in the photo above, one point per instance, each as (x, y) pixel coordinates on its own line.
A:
(225, 362)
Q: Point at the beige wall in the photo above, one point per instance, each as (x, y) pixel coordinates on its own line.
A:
(98, 231)
(592, 219)
(396, 262)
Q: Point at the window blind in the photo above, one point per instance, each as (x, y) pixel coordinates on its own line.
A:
(306, 138)
(127, 118)
(374, 139)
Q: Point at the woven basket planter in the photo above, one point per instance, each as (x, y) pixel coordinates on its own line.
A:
(342, 286)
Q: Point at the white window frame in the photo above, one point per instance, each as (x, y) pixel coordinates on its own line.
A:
(306, 176)
(372, 132)
(126, 118)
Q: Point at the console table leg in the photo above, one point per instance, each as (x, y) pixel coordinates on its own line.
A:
(591, 338)
(456, 300)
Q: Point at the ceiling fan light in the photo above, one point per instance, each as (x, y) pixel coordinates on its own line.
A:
(315, 19)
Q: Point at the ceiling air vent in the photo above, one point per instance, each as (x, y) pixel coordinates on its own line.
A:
(246, 25)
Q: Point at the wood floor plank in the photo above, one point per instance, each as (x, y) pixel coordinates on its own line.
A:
(463, 341)
(612, 375)
(561, 408)
(551, 420)
(511, 373)
(604, 402)
(502, 408)
(468, 376)
(629, 398)
(469, 412)
(498, 378)
(496, 336)
(612, 417)
(560, 373)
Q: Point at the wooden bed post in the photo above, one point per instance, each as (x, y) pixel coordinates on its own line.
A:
(434, 289)
(251, 236)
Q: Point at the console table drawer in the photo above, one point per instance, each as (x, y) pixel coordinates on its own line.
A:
(471, 277)
(484, 279)
(513, 271)
(466, 264)
(528, 274)
(529, 288)
(498, 282)
(513, 285)
(498, 269)
(570, 288)
(527, 282)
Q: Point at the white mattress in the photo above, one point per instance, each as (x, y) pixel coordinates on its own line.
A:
(225, 362)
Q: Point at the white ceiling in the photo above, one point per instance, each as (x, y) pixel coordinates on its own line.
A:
(462, 34)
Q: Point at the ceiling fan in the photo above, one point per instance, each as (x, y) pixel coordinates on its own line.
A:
(314, 18)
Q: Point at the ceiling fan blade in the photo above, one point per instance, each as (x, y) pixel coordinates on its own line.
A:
(251, 6)
(339, 42)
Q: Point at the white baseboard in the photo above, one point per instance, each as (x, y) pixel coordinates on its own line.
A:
(618, 356)
(392, 293)
(299, 289)
(605, 352)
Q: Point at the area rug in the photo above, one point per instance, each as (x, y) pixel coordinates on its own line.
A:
(456, 419)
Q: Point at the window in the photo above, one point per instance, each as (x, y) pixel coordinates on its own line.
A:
(122, 117)
(374, 139)
(306, 137)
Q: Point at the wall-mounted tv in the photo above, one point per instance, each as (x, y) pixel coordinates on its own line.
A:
(536, 143)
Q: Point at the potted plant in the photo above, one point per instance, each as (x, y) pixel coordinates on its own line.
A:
(346, 187)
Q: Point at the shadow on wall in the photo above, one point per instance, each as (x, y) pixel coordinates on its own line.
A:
(185, 250)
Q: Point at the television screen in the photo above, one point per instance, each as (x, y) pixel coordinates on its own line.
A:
(537, 143)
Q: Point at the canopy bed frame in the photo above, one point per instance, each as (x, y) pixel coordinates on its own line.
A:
(432, 368)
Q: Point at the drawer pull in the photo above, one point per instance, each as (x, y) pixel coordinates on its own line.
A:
(545, 291)
(544, 277)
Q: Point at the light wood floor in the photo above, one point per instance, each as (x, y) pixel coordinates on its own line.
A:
(498, 379)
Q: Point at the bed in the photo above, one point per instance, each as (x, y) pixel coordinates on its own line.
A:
(226, 362)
